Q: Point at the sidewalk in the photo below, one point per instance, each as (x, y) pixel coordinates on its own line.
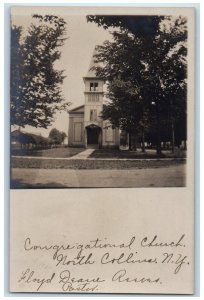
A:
(83, 155)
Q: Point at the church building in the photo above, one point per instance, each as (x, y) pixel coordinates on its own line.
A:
(86, 127)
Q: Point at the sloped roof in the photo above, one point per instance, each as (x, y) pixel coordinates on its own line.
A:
(92, 73)
(25, 137)
(78, 109)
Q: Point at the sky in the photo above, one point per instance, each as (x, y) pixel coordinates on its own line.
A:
(82, 37)
(77, 51)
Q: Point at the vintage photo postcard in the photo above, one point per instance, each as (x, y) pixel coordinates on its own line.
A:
(102, 149)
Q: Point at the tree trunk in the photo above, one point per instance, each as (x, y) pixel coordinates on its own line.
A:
(158, 131)
(164, 147)
(158, 145)
(172, 137)
(135, 142)
(143, 140)
(130, 141)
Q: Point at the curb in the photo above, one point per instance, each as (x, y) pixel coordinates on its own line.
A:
(102, 159)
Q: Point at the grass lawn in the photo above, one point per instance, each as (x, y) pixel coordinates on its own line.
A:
(106, 159)
(111, 153)
(65, 152)
(61, 152)
(87, 164)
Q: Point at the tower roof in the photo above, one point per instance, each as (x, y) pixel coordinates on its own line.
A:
(92, 73)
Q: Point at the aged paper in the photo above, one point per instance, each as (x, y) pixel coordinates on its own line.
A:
(105, 237)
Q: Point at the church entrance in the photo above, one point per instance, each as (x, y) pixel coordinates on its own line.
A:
(93, 136)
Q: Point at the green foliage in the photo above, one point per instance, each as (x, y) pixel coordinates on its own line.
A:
(35, 83)
(63, 136)
(57, 137)
(145, 66)
(17, 101)
(140, 26)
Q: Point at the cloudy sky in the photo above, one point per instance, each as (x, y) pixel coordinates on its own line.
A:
(76, 53)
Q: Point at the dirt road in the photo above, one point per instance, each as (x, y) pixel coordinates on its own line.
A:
(171, 176)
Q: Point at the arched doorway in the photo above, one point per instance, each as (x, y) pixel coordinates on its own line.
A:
(93, 133)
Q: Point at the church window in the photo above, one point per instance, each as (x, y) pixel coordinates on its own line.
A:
(93, 115)
(93, 86)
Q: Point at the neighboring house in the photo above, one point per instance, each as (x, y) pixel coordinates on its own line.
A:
(86, 127)
(25, 140)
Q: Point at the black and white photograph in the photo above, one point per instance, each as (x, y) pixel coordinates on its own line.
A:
(102, 148)
(98, 100)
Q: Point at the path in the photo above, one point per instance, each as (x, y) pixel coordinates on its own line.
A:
(83, 155)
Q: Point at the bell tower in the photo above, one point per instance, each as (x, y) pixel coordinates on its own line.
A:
(93, 105)
(86, 127)
(93, 95)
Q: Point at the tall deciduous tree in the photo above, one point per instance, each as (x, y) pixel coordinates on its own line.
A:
(165, 76)
(123, 69)
(36, 93)
(146, 71)
(17, 104)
